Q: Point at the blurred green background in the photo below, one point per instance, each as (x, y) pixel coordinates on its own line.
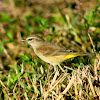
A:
(66, 23)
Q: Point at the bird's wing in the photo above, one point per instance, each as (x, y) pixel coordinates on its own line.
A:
(58, 52)
(52, 50)
(48, 50)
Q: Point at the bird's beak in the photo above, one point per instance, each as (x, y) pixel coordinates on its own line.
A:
(22, 40)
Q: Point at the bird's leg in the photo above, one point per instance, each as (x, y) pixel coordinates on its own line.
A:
(61, 68)
(55, 69)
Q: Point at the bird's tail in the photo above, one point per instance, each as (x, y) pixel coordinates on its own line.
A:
(71, 55)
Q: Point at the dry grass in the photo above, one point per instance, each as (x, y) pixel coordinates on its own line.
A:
(80, 85)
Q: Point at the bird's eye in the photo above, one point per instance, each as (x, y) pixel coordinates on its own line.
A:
(30, 39)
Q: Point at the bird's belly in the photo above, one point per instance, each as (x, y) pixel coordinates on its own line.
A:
(42, 57)
(51, 59)
(46, 59)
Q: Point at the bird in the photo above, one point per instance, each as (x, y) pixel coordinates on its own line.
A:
(50, 52)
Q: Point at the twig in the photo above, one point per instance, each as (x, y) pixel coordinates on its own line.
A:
(67, 88)
(92, 42)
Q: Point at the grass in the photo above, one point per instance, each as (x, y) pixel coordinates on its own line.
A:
(73, 25)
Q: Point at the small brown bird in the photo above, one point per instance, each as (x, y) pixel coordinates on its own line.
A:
(51, 53)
